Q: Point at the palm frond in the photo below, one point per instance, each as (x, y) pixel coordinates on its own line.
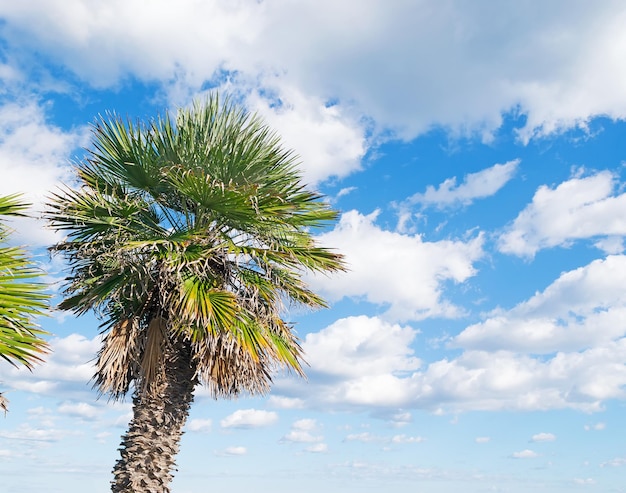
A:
(153, 352)
(118, 359)
(22, 298)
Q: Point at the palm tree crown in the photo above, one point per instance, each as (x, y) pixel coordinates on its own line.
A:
(188, 235)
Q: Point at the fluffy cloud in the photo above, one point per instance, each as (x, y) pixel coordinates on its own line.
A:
(81, 410)
(366, 363)
(233, 451)
(302, 431)
(318, 448)
(401, 419)
(576, 209)
(595, 427)
(68, 370)
(543, 437)
(282, 402)
(361, 346)
(400, 271)
(364, 437)
(584, 481)
(27, 432)
(249, 418)
(367, 437)
(34, 157)
(480, 380)
(407, 67)
(328, 141)
(357, 361)
(524, 454)
(475, 186)
(201, 425)
(360, 361)
(616, 462)
(407, 439)
(583, 308)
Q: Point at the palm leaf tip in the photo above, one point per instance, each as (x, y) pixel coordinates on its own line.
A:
(4, 403)
(12, 205)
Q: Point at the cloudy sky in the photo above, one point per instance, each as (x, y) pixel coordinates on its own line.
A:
(476, 153)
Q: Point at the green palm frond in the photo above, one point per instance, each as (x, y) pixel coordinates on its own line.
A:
(206, 307)
(22, 298)
(199, 220)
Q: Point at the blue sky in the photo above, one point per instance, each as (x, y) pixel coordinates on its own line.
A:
(476, 153)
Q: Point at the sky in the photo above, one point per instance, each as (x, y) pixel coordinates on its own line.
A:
(476, 153)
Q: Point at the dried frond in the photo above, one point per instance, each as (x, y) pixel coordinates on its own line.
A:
(152, 357)
(228, 370)
(118, 359)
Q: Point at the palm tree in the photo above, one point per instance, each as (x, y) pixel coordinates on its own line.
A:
(187, 236)
(22, 299)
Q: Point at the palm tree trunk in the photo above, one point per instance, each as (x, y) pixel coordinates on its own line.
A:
(150, 446)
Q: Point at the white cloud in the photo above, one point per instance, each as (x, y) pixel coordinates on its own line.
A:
(505, 380)
(306, 424)
(81, 410)
(281, 402)
(584, 481)
(102, 436)
(610, 244)
(401, 419)
(34, 161)
(123, 420)
(400, 271)
(595, 427)
(482, 439)
(361, 346)
(352, 368)
(318, 448)
(577, 209)
(616, 462)
(477, 185)
(301, 436)
(364, 437)
(249, 418)
(29, 433)
(302, 431)
(68, 369)
(367, 437)
(524, 454)
(407, 439)
(359, 361)
(344, 191)
(233, 451)
(329, 142)
(583, 308)
(199, 425)
(450, 65)
(543, 437)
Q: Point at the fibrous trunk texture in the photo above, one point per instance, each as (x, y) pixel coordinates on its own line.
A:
(149, 448)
